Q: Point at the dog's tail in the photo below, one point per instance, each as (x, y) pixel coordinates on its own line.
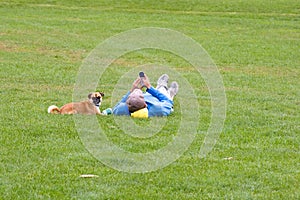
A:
(53, 109)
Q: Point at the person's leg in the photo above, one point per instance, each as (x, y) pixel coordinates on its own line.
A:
(164, 91)
(162, 85)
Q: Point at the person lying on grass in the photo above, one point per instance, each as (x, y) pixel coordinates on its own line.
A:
(154, 102)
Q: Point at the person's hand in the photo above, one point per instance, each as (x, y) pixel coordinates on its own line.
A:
(135, 84)
(146, 81)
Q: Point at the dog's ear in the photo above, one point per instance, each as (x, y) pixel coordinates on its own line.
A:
(102, 94)
(90, 95)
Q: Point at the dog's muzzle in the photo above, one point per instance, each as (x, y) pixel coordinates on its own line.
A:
(96, 101)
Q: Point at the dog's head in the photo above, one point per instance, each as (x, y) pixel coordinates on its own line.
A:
(96, 98)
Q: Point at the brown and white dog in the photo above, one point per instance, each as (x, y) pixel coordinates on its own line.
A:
(88, 107)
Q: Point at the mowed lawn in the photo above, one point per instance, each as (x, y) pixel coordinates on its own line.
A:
(254, 43)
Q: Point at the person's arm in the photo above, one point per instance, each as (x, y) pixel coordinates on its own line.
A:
(156, 93)
(161, 105)
(121, 108)
(164, 108)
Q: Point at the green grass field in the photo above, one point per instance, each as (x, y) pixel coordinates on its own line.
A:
(255, 45)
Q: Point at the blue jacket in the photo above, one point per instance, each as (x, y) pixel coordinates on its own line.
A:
(157, 104)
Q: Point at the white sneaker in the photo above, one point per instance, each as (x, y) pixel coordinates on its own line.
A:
(173, 90)
(163, 81)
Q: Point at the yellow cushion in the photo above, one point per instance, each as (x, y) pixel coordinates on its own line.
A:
(142, 113)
